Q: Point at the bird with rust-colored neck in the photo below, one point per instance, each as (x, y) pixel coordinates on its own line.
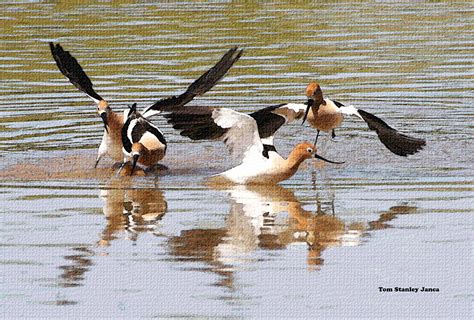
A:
(257, 169)
(260, 162)
(325, 114)
(111, 144)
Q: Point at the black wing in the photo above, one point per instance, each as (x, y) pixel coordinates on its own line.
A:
(337, 103)
(69, 67)
(203, 84)
(195, 123)
(396, 142)
(268, 122)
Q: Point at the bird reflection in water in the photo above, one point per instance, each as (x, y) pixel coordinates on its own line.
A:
(127, 210)
(72, 275)
(387, 216)
(131, 210)
(257, 220)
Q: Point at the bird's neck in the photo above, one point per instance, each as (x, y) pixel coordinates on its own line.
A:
(115, 121)
(293, 162)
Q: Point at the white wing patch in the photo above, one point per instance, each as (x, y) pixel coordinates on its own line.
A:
(242, 139)
(291, 111)
(268, 140)
(148, 113)
(296, 107)
(350, 110)
(95, 100)
(130, 129)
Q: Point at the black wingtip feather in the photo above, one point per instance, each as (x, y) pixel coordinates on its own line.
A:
(72, 70)
(203, 84)
(398, 143)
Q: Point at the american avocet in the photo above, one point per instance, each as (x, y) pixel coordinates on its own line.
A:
(260, 162)
(111, 144)
(325, 115)
(142, 141)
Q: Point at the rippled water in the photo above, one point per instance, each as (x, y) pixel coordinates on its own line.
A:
(80, 242)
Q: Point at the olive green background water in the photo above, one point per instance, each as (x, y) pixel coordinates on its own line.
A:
(79, 242)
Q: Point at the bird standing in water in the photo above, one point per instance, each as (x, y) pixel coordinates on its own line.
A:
(111, 144)
(260, 162)
(326, 115)
(142, 141)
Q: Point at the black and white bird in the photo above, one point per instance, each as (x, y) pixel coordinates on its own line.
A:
(111, 144)
(249, 138)
(325, 114)
(143, 143)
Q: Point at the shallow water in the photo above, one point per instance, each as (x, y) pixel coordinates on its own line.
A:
(78, 241)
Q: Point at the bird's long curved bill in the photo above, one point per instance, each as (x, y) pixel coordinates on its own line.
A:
(317, 156)
(309, 104)
(104, 120)
(134, 163)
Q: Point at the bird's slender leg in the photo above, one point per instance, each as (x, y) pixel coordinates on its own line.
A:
(101, 152)
(122, 165)
(97, 161)
(333, 134)
(316, 140)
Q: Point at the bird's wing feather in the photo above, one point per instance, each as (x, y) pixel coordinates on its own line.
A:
(203, 84)
(70, 68)
(195, 123)
(241, 138)
(270, 119)
(135, 128)
(238, 131)
(396, 142)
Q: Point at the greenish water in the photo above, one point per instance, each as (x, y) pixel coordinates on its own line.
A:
(78, 242)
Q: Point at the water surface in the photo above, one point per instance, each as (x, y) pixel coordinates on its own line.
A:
(78, 241)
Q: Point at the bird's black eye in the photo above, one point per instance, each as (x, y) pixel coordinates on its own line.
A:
(310, 150)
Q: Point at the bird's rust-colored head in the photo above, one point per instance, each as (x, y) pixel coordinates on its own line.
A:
(137, 151)
(306, 150)
(315, 99)
(312, 88)
(314, 93)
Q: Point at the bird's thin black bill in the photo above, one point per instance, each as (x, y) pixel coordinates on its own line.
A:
(317, 156)
(134, 163)
(309, 104)
(104, 120)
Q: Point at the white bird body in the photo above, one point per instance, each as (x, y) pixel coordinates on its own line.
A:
(111, 147)
(258, 170)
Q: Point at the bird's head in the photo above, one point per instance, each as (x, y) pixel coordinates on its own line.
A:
(137, 150)
(306, 150)
(315, 98)
(312, 89)
(131, 113)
